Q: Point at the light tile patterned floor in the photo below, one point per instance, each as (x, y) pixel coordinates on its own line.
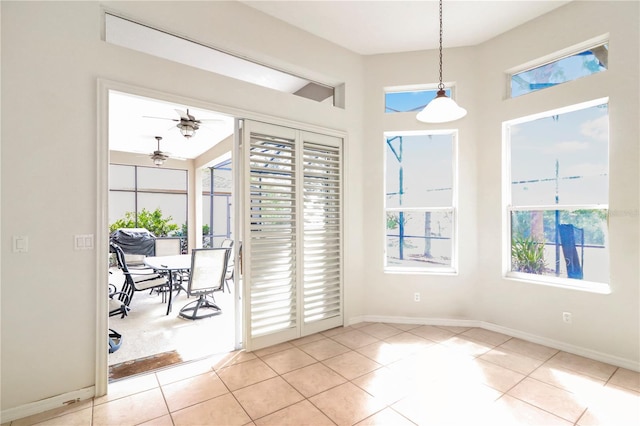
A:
(373, 374)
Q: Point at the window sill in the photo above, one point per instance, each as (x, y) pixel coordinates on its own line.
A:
(404, 271)
(565, 283)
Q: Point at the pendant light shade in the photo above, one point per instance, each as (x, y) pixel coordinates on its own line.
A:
(442, 108)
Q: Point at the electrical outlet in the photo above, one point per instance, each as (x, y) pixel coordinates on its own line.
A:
(566, 317)
(416, 297)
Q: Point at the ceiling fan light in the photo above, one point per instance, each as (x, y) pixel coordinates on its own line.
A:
(441, 109)
(186, 130)
(158, 161)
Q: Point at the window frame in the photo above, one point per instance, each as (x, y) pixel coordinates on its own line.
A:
(508, 208)
(452, 269)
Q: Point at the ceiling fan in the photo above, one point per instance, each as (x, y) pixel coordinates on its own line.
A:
(158, 156)
(187, 124)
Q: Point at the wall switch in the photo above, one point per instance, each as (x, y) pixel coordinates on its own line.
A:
(20, 244)
(566, 317)
(83, 242)
(416, 297)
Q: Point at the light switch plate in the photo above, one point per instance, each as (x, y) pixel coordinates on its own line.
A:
(83, 242)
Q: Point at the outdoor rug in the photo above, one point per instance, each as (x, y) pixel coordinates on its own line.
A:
(143, 365)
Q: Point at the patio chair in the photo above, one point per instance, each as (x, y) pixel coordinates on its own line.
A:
(134, 281)
(228, 243)
(206, 276)
(171, 247)
(118, 302)
(167, 247)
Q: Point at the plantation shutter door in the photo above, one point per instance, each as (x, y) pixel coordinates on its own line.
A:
(270, 234)
(291, 233)
(322, 216)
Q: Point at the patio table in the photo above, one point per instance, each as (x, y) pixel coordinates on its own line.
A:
(170, 265)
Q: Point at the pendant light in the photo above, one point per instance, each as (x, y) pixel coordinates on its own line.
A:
(441, 109)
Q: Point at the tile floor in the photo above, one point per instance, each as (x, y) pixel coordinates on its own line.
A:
(373, 374)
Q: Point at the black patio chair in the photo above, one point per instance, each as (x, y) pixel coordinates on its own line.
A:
(134, 281)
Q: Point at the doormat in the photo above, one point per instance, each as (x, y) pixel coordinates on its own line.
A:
(143, 365)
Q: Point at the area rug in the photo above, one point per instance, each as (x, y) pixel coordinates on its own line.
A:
(143, 365)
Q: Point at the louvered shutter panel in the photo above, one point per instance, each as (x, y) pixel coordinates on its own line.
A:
(322, 186)
(291, 202)
(272, 235)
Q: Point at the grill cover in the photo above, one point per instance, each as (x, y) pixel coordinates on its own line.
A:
(134, 241)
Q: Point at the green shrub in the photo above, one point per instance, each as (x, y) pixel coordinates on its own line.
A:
(152, 221)
(527, 255)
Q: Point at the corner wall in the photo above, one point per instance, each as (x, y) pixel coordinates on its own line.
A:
(607, 326)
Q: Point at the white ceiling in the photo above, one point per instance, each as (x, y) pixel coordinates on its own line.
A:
(365, 27)
(373, 27)
(130, 129)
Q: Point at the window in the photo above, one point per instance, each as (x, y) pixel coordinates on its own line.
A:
(558, 191)
(568, 68)
(420, 200)
(409, 101)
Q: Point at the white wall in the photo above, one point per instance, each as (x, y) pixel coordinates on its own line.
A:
(607, 325)
(389, 294)
(52, 57)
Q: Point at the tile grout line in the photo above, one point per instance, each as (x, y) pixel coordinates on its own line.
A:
(564, 365)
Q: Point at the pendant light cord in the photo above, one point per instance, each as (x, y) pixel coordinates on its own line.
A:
(441, 86)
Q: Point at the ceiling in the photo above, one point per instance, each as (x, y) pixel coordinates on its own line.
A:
(373, 27)
(364, 27)
(131, 128)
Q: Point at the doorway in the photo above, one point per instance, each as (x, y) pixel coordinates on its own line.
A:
(167, 158)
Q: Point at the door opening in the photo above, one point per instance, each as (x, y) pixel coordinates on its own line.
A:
(170, 174)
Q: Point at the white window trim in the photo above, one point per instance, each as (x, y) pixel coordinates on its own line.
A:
(450, 270)
(560, 54)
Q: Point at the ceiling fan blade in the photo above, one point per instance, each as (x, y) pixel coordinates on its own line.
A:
(184, 115)
(160, 118)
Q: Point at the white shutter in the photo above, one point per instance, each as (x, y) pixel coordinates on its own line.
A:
(322, 214)
(291, 233)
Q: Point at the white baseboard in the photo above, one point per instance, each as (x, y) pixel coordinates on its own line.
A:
(46, 404)
(629, 364)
